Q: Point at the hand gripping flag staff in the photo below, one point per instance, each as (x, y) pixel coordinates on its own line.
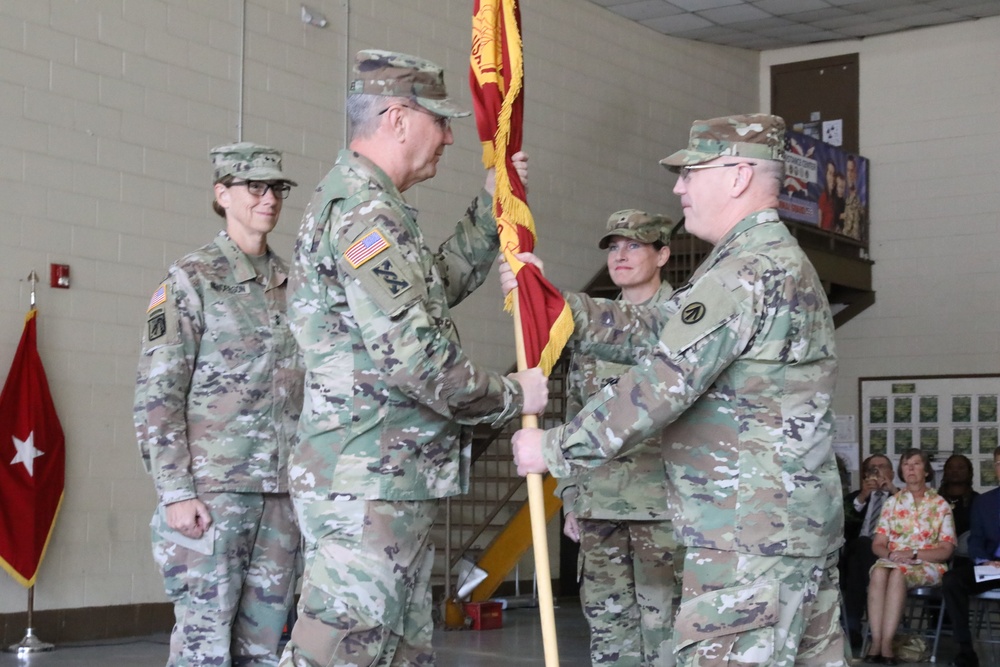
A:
(542, 320)
(32, 468)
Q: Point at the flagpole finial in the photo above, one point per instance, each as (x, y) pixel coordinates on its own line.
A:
(33, 278)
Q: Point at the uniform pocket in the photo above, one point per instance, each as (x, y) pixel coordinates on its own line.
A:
(730, 626)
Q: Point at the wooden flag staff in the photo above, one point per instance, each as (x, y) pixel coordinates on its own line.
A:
(536, 509)
(30, 643)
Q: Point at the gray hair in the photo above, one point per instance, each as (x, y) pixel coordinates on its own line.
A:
(363, 113)
(773, 169)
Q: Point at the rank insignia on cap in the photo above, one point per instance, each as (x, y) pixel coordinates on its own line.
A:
(159, 296)
(365, 248)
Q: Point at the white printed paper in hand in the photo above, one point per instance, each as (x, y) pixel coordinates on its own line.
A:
(987, 573)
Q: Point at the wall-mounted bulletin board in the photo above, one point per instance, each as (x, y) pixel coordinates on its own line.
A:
(942, 415)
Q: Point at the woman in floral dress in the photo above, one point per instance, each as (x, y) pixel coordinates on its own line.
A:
(914, 540)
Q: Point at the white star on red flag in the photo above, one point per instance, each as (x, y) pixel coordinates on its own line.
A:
(26, 453)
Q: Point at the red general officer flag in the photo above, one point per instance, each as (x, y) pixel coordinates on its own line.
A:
(496, 77)
(32, 462)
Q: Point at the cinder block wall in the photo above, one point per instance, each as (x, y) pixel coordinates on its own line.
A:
(930, 124)
(109, 108)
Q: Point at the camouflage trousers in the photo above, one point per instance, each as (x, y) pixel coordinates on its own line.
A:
(366, 596)
(232, 589)
(630, 590)
(743, 610)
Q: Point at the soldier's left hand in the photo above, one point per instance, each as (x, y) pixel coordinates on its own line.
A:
(520, 160)
(527, 444)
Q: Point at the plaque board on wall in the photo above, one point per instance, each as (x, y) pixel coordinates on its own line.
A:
(942, 415)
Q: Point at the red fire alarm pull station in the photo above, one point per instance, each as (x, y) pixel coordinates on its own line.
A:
(59, 275)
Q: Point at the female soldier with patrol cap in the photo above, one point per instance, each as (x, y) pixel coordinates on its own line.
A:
(218, 396)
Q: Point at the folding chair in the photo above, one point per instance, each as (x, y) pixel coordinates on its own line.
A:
(923, 615)
(987, 609)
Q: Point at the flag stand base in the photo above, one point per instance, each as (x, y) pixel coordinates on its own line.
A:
(30, 644)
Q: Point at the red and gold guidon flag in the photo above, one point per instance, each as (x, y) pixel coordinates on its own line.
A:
(32, 462)
(496, 77)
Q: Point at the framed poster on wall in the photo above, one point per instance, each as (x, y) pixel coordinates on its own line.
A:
(942, 415)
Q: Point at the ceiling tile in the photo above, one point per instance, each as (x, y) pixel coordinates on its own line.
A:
(929, 18)
(646, 9)
(820, 15)
(891, 13)
(671, 25)
(702, 5)
(868, 29)
(734, 14)
(782, 7)
(791, 31)
(770, 24)
(761, 25)
(756, 43)
(840, 22)
(867, 6)
(717, 34)
(982, 9)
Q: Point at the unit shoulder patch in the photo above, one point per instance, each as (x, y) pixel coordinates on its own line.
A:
(392, 279)
(156, 324)
(693, 312)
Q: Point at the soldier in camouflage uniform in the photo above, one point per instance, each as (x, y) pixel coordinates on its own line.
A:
(217, 398)
(391, 396)
(744, 373)
(618, 512)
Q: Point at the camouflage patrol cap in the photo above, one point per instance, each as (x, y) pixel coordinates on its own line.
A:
(759, 136)
(401, 75)
(638, 225)
(249, 162)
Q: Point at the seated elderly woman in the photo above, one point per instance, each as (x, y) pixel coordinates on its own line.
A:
(914, 539)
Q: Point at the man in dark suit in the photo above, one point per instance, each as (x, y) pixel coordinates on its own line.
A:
(959, 583)
(861, 512)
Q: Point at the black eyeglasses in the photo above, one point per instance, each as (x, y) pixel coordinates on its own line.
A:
(443, 122)
(685, 172)
(281, 189)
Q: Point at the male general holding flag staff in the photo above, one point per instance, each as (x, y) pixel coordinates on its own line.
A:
(743, 373)
(390, 395)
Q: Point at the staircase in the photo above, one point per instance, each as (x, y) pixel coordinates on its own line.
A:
(488, 525)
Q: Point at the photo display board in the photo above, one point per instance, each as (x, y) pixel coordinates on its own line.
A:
(825, 187)
(940, 415)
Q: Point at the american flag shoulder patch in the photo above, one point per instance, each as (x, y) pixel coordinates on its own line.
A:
(365, 248)
(159, 296)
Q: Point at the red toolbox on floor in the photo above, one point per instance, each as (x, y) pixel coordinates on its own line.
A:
(485, 615)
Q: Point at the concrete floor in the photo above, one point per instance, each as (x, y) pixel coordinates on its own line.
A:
(519, 642)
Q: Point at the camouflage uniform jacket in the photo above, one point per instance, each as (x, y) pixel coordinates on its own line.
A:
(745, 372)
(219, 387)
(633, 485)
(390, 395)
